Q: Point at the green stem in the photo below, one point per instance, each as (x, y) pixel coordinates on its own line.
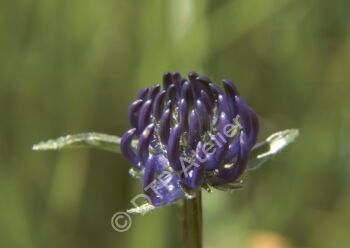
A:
(192, 222)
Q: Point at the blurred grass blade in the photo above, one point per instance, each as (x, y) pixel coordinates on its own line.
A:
(83, 140)
(274, 144)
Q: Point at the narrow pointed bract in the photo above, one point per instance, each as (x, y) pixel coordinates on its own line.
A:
(190, 134)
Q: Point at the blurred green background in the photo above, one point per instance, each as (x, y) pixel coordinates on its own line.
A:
(74, 66)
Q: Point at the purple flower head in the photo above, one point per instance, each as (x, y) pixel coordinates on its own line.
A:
(188, 134)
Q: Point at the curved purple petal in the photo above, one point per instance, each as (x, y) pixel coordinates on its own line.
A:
(142, 94)
(207, 101)
(233, 150)
(195, 87)
(154, 91)
(145, 115)
(167, 80)
(233, 173)
(203, 116)
(186, 93)
(195, 174)
(144, 142)
(231, 92)
(204, 83)
(183, 115)
(221, 145)
(133, 112)
(173, 149)
(178, 84)
(171, 94)
(223, 106)
(157, 104)
(126, 148)
(164, 127)
(215, 89)
(194, 130)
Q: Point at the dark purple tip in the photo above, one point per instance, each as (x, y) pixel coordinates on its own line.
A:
(215, 89)
(171, 94)
(204, 84)
(230, 88)
(178, 84)
(176, 77)
(204, 80)
(142, 94)
(154, 91)
(157, 104)
(133, 112)
(186, 93)
(194, 84)
(192, 76)
(167, 80)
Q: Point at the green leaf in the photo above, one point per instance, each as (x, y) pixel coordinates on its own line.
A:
(143, 209)
(83, 140)
(260, 153)
(267, 149)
